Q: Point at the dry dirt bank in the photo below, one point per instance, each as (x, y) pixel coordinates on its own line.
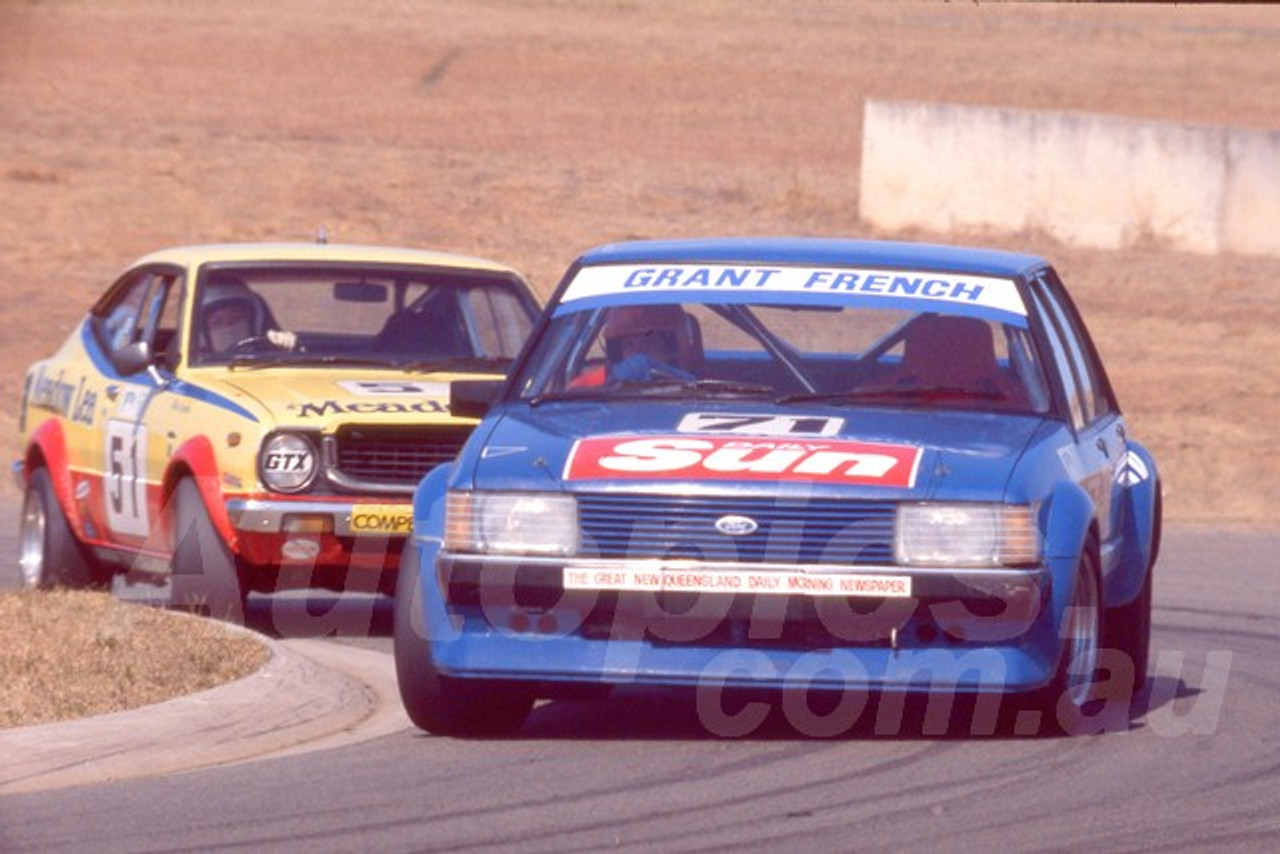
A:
(528, 130)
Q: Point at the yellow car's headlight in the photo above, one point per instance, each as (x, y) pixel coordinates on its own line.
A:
(965, 535)
(288, 462)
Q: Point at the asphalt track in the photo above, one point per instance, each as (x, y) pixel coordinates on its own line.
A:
(314, 753)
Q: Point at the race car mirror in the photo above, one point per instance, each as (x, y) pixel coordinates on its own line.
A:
(132, 358)
(472, 398)
(370, 292)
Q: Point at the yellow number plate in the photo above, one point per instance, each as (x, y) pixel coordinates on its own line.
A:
(387, 520)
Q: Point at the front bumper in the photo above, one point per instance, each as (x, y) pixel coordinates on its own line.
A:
(343, 518)
(981, 630)
(542, 581)
(342, 536)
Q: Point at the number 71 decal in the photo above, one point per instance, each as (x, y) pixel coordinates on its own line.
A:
(759, 425)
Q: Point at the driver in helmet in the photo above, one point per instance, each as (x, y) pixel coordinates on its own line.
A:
(227, 322)
(646, 343)
(232, 314)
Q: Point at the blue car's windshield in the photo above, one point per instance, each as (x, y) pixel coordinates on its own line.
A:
(793, 353)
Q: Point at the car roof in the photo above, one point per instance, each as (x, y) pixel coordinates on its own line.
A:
(315, 252)
(818, 250)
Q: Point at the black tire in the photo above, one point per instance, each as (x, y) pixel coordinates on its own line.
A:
(1129, 635)
(580, 692)
(434, 702)
(205, 578)
(1068, 705)
(1129, 626)
(49, 553)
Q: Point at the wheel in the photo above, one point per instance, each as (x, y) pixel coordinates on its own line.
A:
(49, 553)
(434, 702)
(1129, 626)
(204, 573)
(1129, 634)
(1068, 703)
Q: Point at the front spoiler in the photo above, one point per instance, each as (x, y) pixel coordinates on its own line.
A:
(1013, 667)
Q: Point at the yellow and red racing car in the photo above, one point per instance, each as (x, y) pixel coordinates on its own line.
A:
(236, 418)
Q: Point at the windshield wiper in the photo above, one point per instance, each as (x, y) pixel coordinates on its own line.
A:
(664, 387)
(488, 364)
(894, 392)
(585, 393)
(725, 387)
(258, 361)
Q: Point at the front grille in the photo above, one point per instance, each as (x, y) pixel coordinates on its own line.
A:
(395, 454)
(809, 531)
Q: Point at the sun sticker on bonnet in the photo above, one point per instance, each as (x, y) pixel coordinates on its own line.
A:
(749, 458)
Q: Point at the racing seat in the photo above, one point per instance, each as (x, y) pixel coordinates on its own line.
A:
(695, 361)
(942, 351)
(433, 328)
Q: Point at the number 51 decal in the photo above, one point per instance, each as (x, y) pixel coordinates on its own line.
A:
(125, 484)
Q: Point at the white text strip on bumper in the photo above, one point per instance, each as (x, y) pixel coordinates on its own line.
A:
(586, 577)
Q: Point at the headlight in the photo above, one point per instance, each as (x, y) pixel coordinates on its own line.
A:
(287, 462)
(966, 535)
(511, 523)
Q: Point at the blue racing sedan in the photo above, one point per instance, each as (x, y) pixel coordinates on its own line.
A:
(815, 470)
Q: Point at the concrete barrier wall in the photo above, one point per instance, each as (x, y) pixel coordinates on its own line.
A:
(1091, 180)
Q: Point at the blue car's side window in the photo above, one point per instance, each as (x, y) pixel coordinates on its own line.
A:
(1061, 359)
(1094, 398)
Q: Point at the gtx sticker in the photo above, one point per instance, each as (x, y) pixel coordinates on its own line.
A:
(759, 425)
(394, 388)
(289, 462)
(733, 458)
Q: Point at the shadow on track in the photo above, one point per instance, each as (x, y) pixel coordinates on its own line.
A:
(319, 614)
(644, 714)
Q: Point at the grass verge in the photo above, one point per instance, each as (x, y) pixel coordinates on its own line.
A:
(68, 654)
